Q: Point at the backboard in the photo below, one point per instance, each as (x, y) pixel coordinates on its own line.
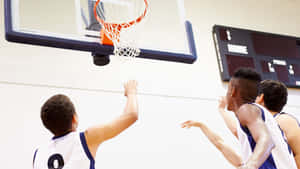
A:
(274, 56)
(72, 25)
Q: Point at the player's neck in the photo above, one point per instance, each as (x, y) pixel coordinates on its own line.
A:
(60, 135)
(273, 112)
(66, 133)
(237, 105)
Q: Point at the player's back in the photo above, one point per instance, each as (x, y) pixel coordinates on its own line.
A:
(69, 151)
(281, 156)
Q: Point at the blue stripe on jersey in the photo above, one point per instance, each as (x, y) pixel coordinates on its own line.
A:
(282, 133)
(34, 156)
(269, 163)
(87, 151)
(262, 112)
(284, 138)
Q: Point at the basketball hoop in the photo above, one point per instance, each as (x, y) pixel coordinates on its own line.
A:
(112, 33)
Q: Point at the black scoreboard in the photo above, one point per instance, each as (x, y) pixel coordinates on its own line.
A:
(274, 56)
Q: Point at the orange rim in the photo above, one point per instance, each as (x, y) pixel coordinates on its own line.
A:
(119, 25)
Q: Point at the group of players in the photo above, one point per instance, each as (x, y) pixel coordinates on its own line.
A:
(269, 138)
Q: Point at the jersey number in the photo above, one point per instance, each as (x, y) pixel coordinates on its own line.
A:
(56, 161)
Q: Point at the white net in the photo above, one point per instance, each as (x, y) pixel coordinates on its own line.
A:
(119, 19)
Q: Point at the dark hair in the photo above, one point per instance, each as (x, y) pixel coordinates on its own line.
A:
(275, 94)
(248, 81)
(57, 114)
(248, 74)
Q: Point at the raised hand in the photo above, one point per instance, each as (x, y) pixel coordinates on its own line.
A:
(222, 103)
(188, 124)
(130, 88)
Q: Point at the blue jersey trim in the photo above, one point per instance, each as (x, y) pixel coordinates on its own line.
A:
(284, 138)
(269, 163)
(34, 156)
(262, 112)
(87, 151)
(282, 133)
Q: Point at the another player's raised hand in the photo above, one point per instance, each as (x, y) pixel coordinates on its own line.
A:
(222, 103)
(130, 88)
(188, 124)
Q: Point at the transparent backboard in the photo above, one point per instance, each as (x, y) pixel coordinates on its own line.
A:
(72, 25)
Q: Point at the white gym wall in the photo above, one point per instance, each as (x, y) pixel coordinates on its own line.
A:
(170, 93)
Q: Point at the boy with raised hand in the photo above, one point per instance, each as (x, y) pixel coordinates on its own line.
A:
(69, 149)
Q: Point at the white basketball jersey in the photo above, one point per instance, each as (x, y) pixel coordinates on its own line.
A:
(281, 156)
(65, 152)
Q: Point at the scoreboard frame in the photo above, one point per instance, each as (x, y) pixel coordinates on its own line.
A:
(274, 56)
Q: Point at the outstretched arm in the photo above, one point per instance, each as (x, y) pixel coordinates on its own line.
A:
(230, 121)
(250, 117)
(291, 129)
(97, 134)
(216, 140)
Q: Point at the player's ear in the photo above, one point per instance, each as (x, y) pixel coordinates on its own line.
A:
(233, 91)
(260, 99)
(75, 121)
(231, 88)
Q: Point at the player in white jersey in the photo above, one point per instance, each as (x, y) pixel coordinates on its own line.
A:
(281, 157)
(242, 90)
(69, 149)
(273, 96)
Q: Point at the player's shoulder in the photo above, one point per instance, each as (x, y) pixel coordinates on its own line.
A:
(286, 117)
(287, 120)
(249, 112)
(249, 109)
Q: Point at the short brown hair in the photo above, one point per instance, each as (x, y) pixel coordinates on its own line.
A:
(275, 94)
(57, 114)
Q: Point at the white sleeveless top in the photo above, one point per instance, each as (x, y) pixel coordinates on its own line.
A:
(69, 151)
(281, 156)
